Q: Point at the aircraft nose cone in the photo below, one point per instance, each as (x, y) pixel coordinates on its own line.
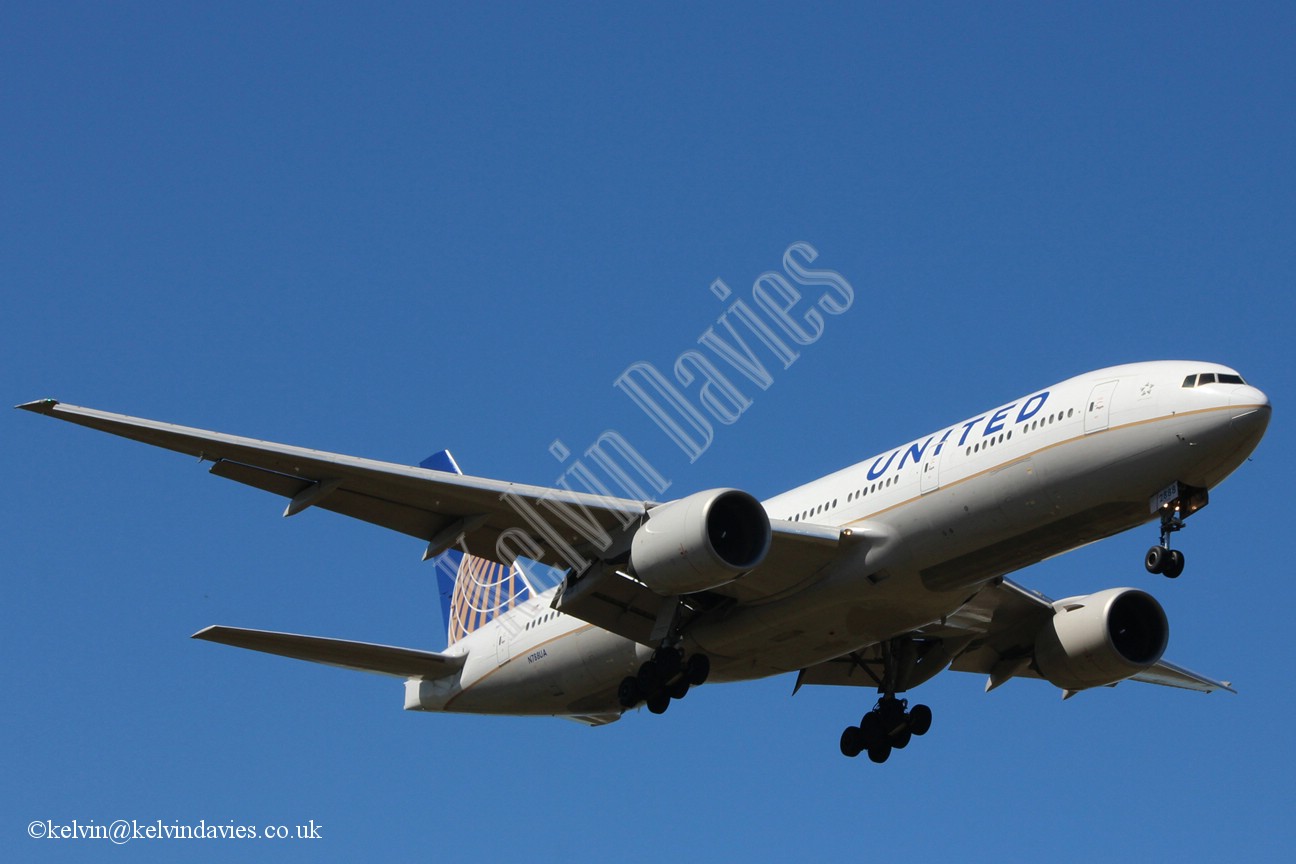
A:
(1248, 395)
(1253, 411)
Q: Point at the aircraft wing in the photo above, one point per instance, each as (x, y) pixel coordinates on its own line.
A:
(360, 656)
(479, 515)
(993, 634)
(432, 505)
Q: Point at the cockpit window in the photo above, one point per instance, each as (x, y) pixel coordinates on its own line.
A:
(1212, 378)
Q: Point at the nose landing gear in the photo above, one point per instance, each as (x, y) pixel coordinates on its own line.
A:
(1176, 503)
(1165, 561)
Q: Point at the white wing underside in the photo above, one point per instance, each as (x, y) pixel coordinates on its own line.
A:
(446, 509)
(994, 633)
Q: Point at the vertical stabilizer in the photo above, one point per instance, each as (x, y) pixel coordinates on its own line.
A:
(474, 591)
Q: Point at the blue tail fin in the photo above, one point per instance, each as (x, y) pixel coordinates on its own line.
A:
(441, 461)
(475, 591)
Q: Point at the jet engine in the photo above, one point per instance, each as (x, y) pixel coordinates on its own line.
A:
(1102, 638)
(700, 542)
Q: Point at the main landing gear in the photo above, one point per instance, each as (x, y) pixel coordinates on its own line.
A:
(889, 726)
(665, 676)
(1177, 503)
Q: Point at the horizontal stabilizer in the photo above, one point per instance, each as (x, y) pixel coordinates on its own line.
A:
(361, 656)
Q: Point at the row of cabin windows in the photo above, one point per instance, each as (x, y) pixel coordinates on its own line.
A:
(536, 622)
(1029, 427)
(975, 448)
(869, 490)
(853, 496)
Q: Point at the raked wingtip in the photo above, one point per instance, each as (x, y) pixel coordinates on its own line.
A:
(40, 406)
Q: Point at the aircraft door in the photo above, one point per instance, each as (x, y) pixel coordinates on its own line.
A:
(1098, 411)
(929, 473)
(503, 643)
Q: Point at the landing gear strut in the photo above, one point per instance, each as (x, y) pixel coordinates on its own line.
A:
(665, 676)
(1177, 503)
(891, 724)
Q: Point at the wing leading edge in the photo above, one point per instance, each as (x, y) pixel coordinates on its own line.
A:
(438, 507)
(559, 527)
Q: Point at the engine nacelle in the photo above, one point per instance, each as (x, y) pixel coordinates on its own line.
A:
(1100, 639)
(700, 542)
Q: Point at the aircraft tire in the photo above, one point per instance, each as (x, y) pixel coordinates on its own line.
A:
(871, 731)
(1155, 559)
(650, 678)
(629, 694)
(658, 703)
(697, 669)
(852, 742)
(1175, 565)
(879, 753)
(668, 663)
(920, 719)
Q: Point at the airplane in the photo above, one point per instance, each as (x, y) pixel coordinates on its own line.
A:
(586, 605)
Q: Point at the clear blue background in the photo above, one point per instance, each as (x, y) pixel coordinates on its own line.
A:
(388, 230)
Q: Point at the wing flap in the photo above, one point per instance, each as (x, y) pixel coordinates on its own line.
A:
(360, 656)
(612, 601)
(414, 521)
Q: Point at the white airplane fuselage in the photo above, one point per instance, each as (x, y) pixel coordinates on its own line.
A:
(945, 514)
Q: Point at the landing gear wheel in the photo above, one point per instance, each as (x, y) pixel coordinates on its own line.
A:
(871, 731)
(697, 669)
(1175, 565)
(679, 689)
(920, 719)
(852, 742)
(658, 703)
(668, 662)
(629, 694)
(891, 724)
(650, 678)
(1156, 559)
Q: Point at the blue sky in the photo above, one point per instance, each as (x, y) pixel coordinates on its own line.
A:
(391, 230)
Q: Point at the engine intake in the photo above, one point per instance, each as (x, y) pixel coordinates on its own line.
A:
(1100, 639)
(700, 542)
